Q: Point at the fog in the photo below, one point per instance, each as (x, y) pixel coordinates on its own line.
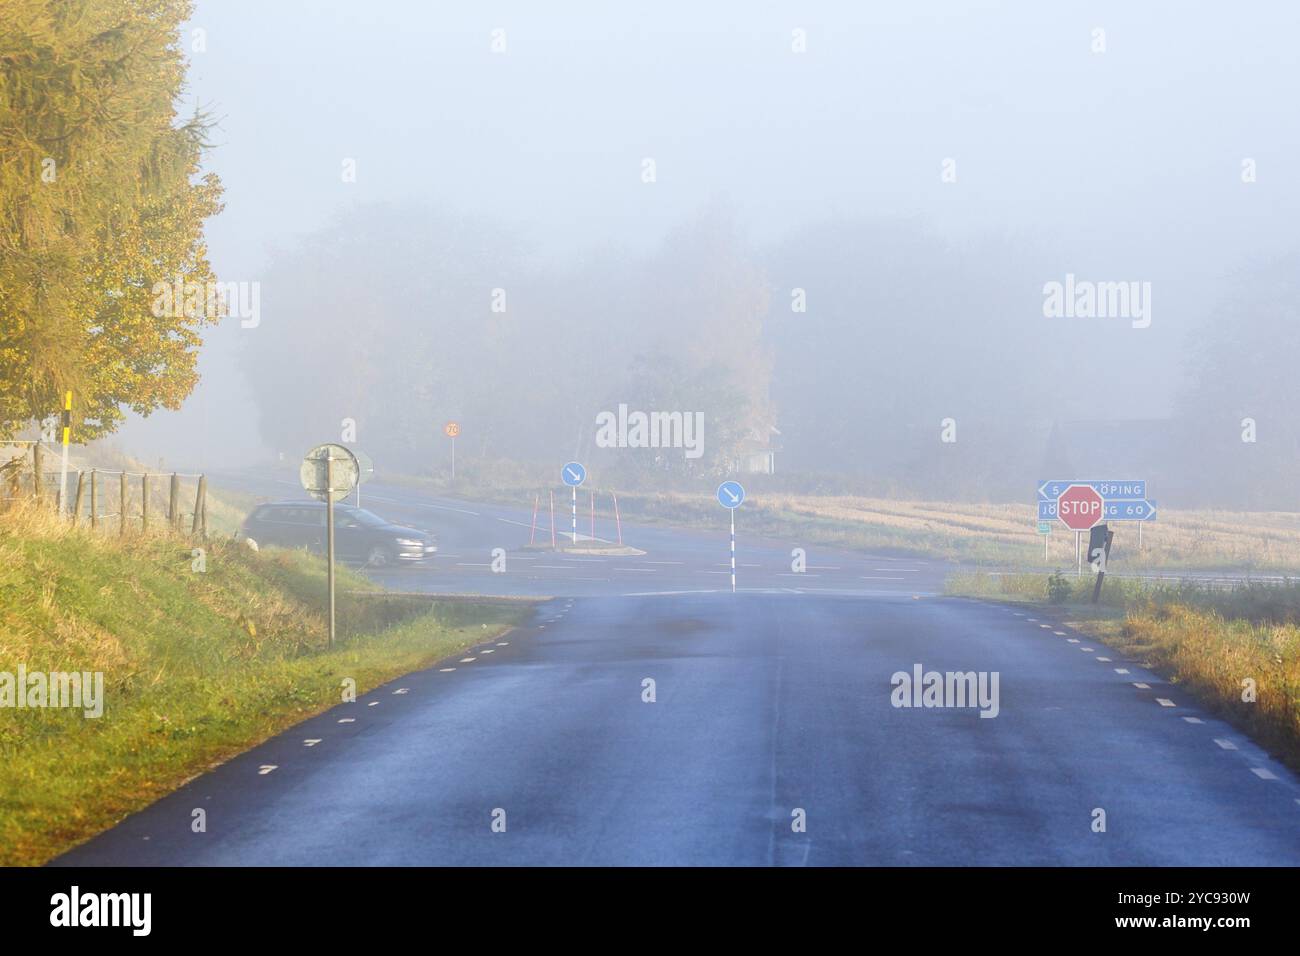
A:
(826, 228)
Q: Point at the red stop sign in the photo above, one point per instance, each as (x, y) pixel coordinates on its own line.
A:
(1079, 507)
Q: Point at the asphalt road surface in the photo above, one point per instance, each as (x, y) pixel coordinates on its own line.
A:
(674, 560)
(770, 708)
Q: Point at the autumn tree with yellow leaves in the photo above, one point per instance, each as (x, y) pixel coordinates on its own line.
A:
(101, 199)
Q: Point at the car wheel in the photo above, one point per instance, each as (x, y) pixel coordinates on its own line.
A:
(379, 557)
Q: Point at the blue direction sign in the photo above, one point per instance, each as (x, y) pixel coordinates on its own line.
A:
(1123, 510)
(1110, 489)
(730, 494)
(1113, 509)
(573, 474)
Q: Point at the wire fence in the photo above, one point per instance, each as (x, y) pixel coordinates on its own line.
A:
(113, 499)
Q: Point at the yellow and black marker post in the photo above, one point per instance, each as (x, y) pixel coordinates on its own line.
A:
(67, 435)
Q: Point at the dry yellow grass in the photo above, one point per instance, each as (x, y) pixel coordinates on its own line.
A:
(1237, 651)
(1248, 672)
(1178, 538)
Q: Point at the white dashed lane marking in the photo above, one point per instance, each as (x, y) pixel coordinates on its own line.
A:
(1225, 744)
(266, 768)
(1165, 702)
(402, 690)
(347, 720)
(1140, 686)
(445, 670)
(468, 660)
(1121, 670)
(311, 742)
(1263, 773)
(1193, 720)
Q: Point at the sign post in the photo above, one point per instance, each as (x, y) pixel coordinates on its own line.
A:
(1045, 529)
(1099, 541)
(1122, 499)
(730, 495)
(63, 470)
(573, 475)
(1079, 507)
(329, 473)
(451, 430)
(365, 469)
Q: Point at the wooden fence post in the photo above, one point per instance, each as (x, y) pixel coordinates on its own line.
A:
(174, 502)
(144, 501)
(199, 501)
(38, 464)
(94, 498)
(121, 515)
(76, 502)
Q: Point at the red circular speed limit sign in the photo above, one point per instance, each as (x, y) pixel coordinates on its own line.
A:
(451, 429)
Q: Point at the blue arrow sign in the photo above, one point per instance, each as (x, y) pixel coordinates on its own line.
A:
(1113, 510)
(573, 474)
(1123, 510)
(1110, 489)
(730, 494)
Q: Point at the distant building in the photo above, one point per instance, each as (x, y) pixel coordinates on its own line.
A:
(1141, 448)
(756, 453)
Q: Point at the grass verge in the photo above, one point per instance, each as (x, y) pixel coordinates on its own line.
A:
(198, 665)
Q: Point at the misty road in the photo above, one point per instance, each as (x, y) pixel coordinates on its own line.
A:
(769, 707)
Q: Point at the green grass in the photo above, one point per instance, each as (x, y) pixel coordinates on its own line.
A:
(197, 666)
(1211, 641)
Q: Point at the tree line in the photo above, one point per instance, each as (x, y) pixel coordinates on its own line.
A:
(101, 198)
